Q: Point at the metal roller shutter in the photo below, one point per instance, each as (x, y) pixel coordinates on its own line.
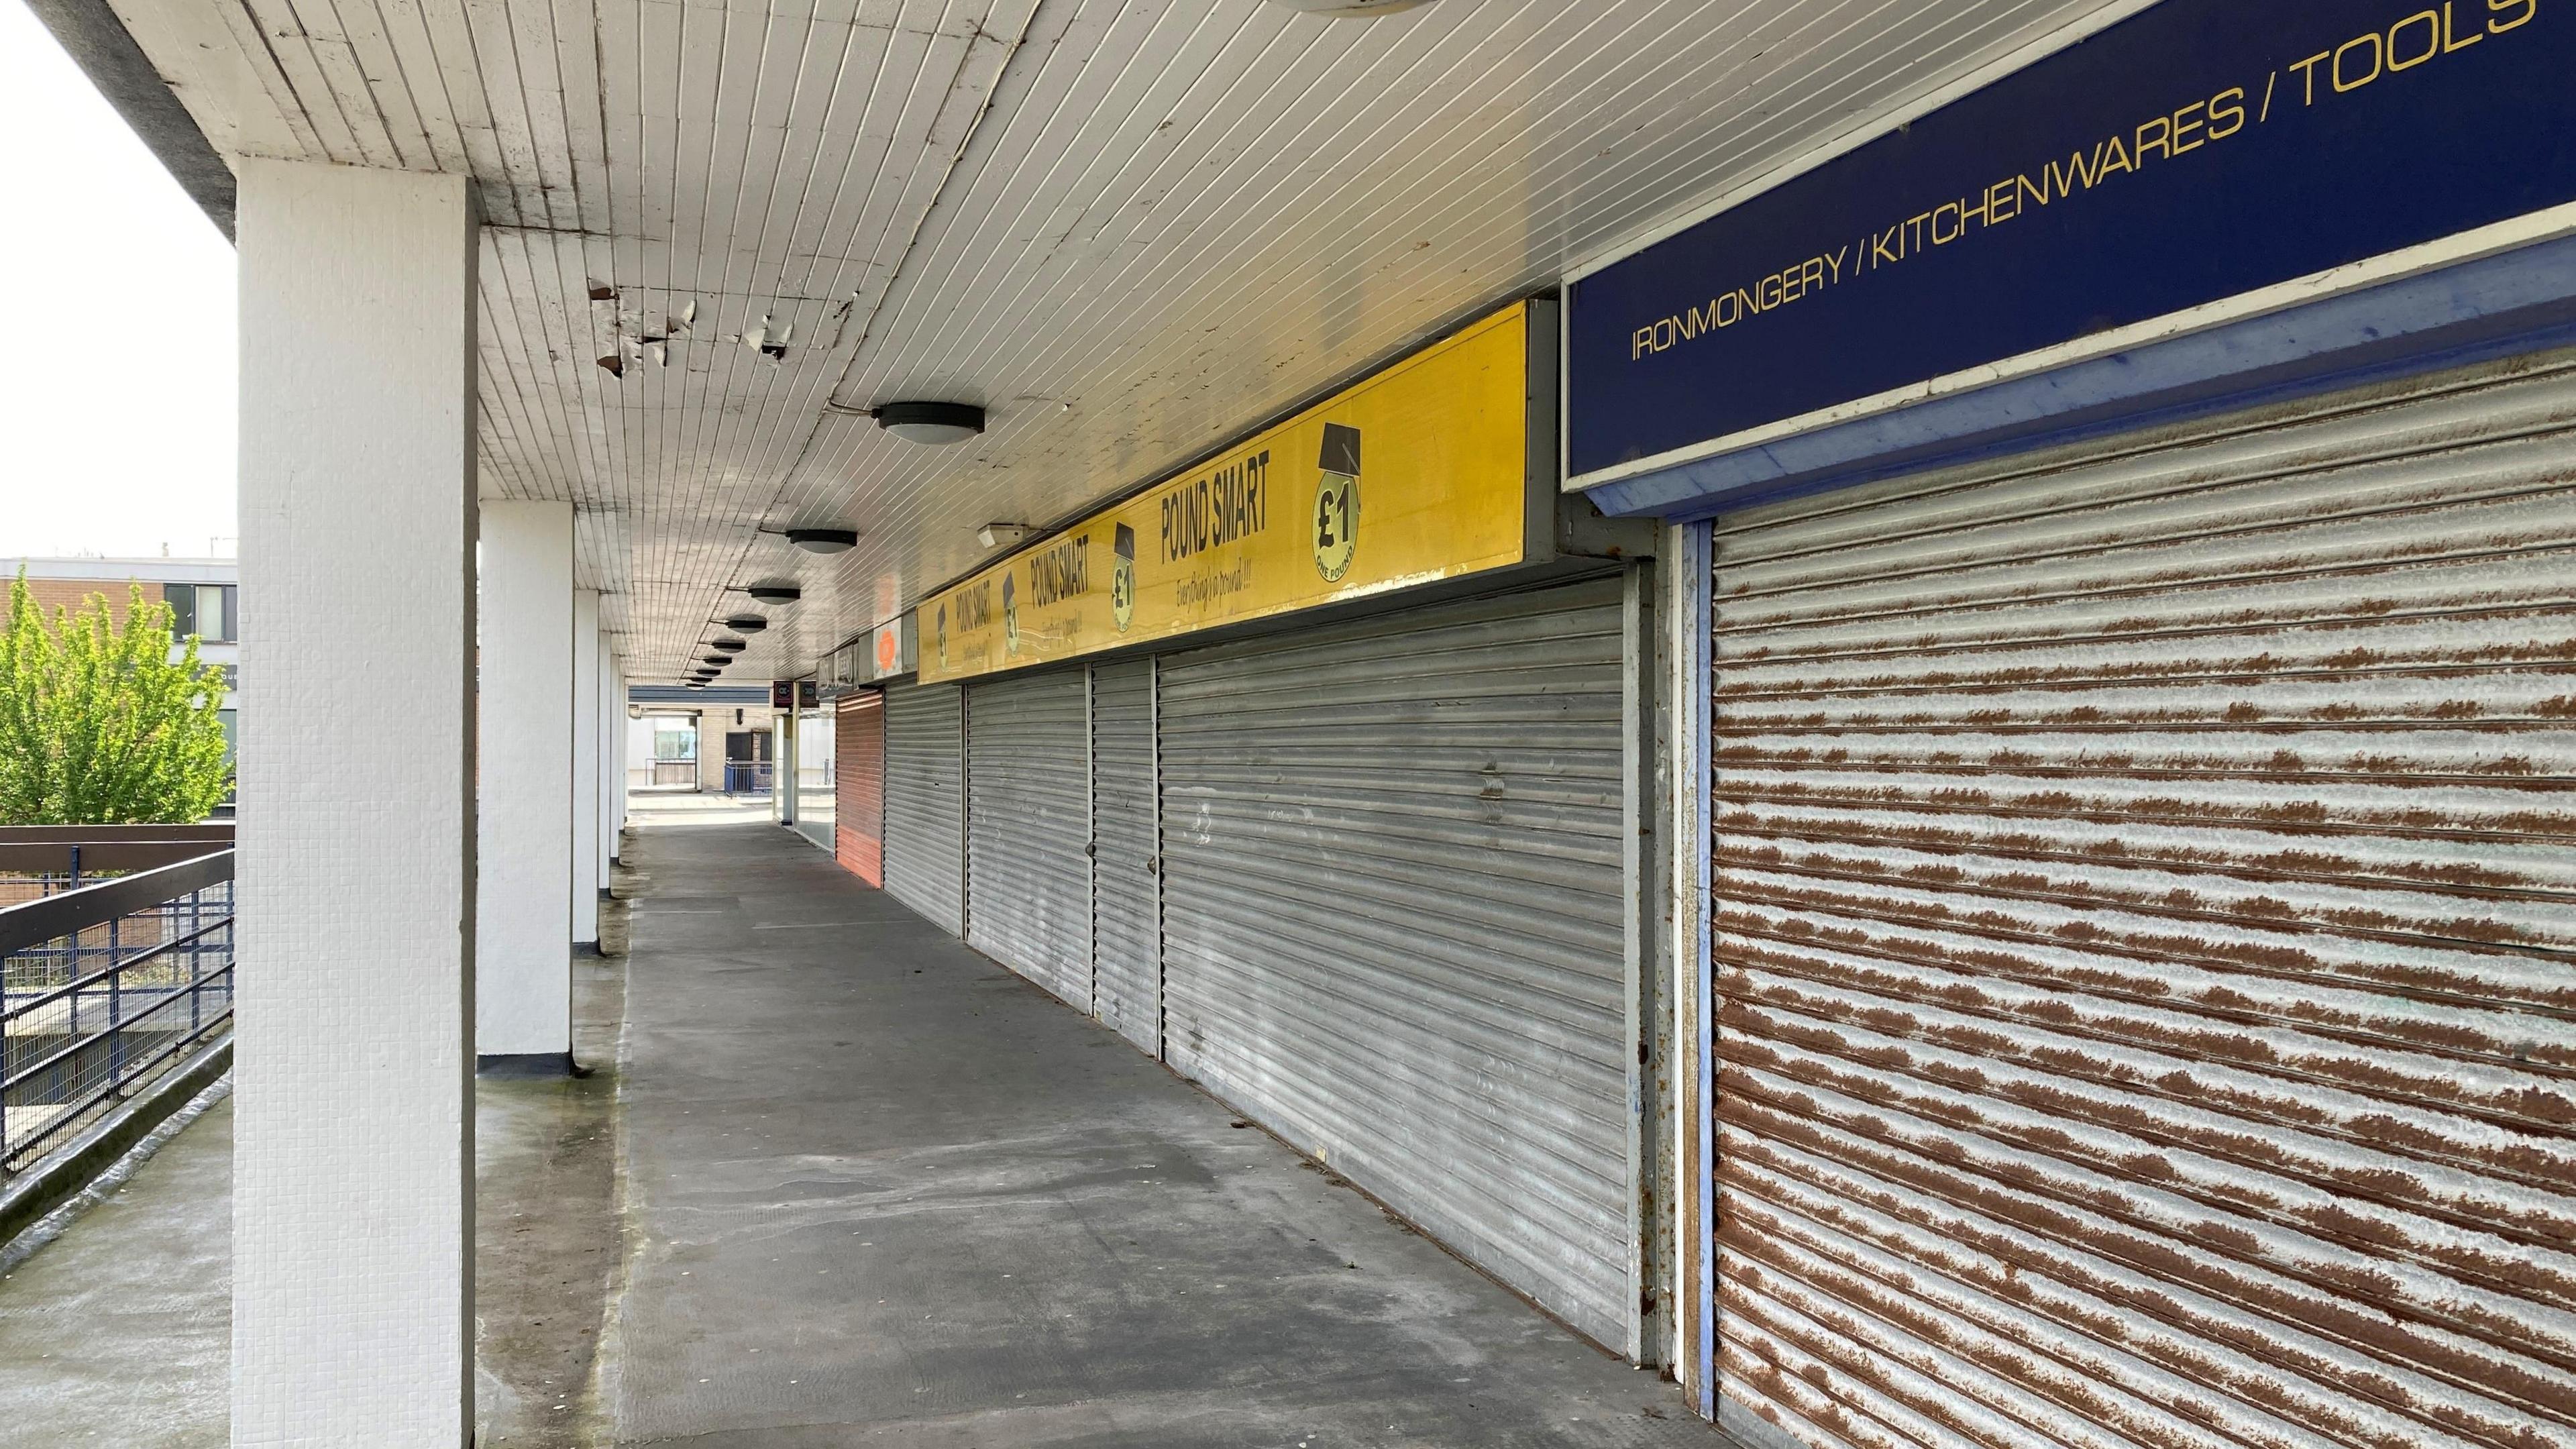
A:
(858, 819)
(2145, 937)
(925, 802)
(1392, 926)
(1028, 813)
(1126, 892)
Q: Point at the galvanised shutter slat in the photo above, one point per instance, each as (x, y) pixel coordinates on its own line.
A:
(858, 780)
(1490, 938)
(924, 808)
(1494, 1012)
(1393, 918)
(1386, 834)
(1533, 1128)
(1028, 781)
(1127, 927)
(2145, 936)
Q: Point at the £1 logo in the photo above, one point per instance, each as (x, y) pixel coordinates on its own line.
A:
(1337, 502)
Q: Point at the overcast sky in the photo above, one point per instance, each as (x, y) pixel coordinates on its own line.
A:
(116, 391)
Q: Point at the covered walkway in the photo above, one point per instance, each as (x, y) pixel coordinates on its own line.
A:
(868, 1187)
(880, 1190)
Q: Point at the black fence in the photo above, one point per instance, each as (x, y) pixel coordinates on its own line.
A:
(105, 983)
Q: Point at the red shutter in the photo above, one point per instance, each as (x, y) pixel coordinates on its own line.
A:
(859, 809)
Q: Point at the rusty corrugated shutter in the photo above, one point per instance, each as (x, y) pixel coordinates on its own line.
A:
(858, 820)
(2145, 937)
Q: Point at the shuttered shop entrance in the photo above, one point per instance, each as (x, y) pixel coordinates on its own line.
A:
(858, 818)
(2145, 938)
(925, 802)
(1392, 919)
(1126, 891)
(1028, 812)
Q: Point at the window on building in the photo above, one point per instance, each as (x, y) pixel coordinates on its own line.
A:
(675, 739)
(212, 612)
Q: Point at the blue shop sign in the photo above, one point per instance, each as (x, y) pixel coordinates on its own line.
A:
(2196, 151)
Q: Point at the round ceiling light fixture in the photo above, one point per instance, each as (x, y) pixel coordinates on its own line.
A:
(932, 423)
(824, 540)
(1349, 9)
(743, 623)
(774, 593)
(718, 660)
(730, 646)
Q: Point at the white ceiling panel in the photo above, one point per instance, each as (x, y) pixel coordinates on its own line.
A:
(1129, 229)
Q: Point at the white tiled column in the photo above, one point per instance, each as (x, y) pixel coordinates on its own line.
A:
(612, 755)
(585, 770)
(782, 794)
(619, 782)
(523, 920)
(353, 1131)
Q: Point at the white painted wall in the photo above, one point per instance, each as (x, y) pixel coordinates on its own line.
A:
(353, 1136)
(626, 797)
(639, 751)
(782, 749)
(611, 774)
(816, 795)
(585, 767)
(523, 920)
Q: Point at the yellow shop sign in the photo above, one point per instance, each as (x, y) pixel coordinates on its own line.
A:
(1418, 474)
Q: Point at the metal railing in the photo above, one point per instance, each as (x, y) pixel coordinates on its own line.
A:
(749, 777)
(675, 772)
(103, 985)
(40, 860)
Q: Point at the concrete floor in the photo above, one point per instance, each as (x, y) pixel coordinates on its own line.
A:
(547, 1236)
(840, 1181)
(116, 1313)
(117, 1331)
(882, 1191)
(689, 807)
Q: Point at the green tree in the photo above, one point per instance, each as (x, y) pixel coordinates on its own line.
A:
(98, 725)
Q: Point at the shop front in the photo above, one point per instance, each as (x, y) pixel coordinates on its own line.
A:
(1307, 771)
(2130, 517)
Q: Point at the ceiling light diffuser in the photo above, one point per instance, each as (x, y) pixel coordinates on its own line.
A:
(932, 423)
(823, 540)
